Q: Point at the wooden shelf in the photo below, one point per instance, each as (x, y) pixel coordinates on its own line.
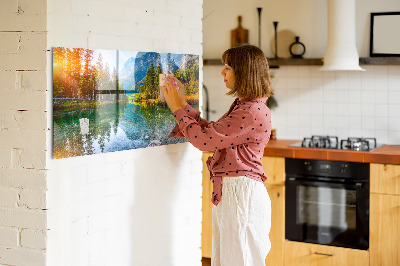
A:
(274, 63)
(380, 61)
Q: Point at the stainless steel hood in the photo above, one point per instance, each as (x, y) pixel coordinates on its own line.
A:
(341, 51)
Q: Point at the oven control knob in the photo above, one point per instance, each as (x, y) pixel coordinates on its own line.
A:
(343, 168)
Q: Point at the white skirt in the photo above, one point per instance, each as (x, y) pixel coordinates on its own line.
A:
(241, 223)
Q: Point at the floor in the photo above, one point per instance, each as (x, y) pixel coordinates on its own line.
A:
(206, 261)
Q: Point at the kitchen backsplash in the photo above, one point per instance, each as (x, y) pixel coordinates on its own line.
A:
(314, 102)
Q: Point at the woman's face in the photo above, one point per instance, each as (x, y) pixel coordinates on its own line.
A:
(229, 76)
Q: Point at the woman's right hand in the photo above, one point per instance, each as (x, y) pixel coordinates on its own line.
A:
(181, 91)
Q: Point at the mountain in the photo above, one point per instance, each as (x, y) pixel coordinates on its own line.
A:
(135, 69)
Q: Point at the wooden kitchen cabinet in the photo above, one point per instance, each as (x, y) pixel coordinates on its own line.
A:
(305, 254)
(206, 225)
(384, 237)
(385, 178)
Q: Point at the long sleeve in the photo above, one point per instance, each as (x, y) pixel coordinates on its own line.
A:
(193, 113)
(231, 130)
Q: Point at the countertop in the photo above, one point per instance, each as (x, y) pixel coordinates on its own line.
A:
(389, 154)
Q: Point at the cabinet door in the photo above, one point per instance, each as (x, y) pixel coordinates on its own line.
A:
(305, 254)
(384, 230)
(277, 233)
(206, 232)
(385, 178)
(274, 168)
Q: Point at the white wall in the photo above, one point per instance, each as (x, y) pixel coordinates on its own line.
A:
(305, 18)
(137, 207)
(311, 102)
(23, 133)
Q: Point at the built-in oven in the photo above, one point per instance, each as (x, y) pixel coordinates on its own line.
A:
(327, 202)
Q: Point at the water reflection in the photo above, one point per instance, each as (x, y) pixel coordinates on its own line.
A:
(113, 126)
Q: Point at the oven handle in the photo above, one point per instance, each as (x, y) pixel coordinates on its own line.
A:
(357, 185)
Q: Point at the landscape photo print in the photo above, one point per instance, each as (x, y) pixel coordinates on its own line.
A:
(110, 100)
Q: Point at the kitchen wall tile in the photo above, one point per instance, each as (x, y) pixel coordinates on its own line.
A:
(381, 97)
(367, 110)
(367, 96)
(368, 122)
(342, 122)
(292, 83)
(394, 83)
(355, 96)
(342, 80)
(355, 109)
(355, 132)
(394, 110)
(329, 109)
(329, 122)
(393, 71)
(342, 96)
(394, 97)
(291, 71)
(315, 72)
(367, 82)
(394, 137)
(381, 123)
(381, 110)
(304, 72)
(382, 136)
(394, 123)
(304, 82)
(342, 109)
(328, 74)
(355, 122)
(380, 71)
(381, 84)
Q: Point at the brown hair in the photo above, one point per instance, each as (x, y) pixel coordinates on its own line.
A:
(250, 66)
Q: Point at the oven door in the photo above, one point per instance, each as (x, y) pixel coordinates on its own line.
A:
(327, 213)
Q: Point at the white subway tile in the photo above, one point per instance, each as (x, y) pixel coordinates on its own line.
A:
(367, 96)
(394, 137)
(394, 97)
(291, 71)
(394, 83)
(368, 110)
(382, 136)
(329, 109)
(381, 110)
(355, 96)
(382, 123)
(355, 122)
(355, 109)
(394, 110)
(355, 132)
(368, 123)
(380, 71)
(381, 97)
(394, 123)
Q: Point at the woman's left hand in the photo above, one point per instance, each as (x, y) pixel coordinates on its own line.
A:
(171, 95)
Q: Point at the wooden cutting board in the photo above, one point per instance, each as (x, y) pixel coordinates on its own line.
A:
(239, 35)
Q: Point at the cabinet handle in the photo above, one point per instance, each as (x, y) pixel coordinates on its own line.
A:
(325, 254)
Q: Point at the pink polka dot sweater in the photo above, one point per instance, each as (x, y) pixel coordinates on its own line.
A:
(238, 139)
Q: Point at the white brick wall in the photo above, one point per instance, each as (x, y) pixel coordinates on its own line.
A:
(138, 207)
(23, 132)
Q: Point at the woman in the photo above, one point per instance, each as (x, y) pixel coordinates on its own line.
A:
(242, 208)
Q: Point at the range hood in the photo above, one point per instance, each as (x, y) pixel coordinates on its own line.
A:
(341, 51)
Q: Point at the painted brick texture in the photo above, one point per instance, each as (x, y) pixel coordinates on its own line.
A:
(23, 218)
